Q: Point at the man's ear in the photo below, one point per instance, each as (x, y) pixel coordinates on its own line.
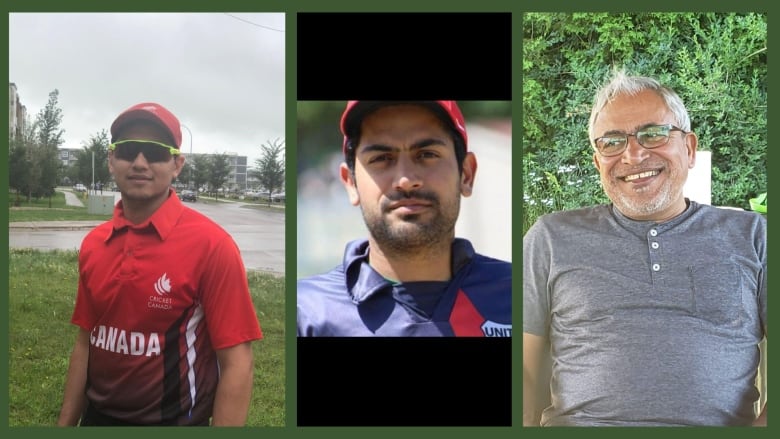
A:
(596, 161)
(178, 162)
(110, 160)
(348, 180)
(691, 143)
(468, 175)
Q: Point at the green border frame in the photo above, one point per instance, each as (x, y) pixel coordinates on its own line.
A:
(290, 8)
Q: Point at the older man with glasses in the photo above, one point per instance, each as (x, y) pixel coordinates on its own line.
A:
(647, 311)
(163, 307)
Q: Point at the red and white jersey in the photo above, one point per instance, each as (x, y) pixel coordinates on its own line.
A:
(158, 299)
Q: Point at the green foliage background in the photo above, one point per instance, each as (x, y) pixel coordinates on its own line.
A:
(716, 62)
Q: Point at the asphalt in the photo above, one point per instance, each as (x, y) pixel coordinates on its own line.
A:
(71, 199)
(53, 225)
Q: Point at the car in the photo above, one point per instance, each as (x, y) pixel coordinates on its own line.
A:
(79, 188)
(251, 195)
(278, 197)
(188, 195)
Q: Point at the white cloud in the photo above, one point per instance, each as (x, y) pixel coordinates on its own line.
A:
(221, 74)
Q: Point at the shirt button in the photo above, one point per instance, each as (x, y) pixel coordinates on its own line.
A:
(654, 245)
(656, 267)
(653, 232)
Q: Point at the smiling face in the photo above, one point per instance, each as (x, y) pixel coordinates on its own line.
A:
(406, 179)
(644, 184)
(144, 185)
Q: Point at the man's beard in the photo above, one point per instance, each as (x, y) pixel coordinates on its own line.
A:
(636, 206)
(411, 233)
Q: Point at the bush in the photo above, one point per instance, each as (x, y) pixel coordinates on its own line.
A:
(716, 62)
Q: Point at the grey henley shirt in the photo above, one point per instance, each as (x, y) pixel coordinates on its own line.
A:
(649, 323)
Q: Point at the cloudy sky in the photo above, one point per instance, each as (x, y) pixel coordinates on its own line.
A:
(221, 74)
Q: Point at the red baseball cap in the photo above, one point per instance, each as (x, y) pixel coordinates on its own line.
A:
(356, 110)
(152, 112)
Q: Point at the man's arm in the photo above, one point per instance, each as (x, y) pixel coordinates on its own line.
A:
(74, 400)
(761, 420)
(234, 390)
(537, 371)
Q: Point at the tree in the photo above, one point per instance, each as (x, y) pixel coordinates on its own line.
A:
(45, 154)
(200, 171)
(219, 170)
(270, 167)
(186, 174)
(18, 168)
(716, 62)
(97, 145)
(20, 175)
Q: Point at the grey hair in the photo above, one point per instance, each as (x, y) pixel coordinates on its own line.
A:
(623, 84)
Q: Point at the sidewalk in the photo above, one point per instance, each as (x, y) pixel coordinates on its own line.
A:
(71, 199)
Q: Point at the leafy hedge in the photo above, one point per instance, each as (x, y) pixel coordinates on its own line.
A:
(716, 62)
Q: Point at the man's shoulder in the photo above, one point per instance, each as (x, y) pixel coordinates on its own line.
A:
(319, 297)
(191, 221)
(584, 217)
(327, 282)
(98, 233)
(488, 271)
(730, 213)
(335, 279)
(491, 264)
(727, 223)
(190, 215)
(596, 211)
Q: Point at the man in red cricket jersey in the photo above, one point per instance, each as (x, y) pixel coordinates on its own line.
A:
(163, 308)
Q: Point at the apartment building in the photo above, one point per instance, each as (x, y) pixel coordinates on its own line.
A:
(17, 113)
(237, 180)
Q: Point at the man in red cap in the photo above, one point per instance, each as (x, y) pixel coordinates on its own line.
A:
(163, 308)
(407, 165)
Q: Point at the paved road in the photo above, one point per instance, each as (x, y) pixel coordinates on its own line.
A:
(258, 233)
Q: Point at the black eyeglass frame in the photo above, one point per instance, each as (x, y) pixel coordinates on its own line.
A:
(668, 126)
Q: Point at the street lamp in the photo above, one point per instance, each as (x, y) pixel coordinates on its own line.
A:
(189, 183)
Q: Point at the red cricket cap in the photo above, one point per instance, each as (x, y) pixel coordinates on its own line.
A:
(152, 112)
(356, 110)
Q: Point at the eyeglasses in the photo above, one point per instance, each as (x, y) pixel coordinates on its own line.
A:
(651, 136)
(154, 152)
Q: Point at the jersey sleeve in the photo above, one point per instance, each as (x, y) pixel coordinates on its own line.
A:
(536, 273)
(227, 301)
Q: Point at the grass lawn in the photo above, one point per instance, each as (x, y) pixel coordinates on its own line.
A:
(42, 290)
(39, 210)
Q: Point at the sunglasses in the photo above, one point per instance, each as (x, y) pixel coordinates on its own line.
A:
(154, 152)
(651, 136)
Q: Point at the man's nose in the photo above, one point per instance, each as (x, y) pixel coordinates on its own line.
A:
(408, 175)
(140, 161)
(634, 153)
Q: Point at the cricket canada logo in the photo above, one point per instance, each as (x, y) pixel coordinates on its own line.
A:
(163, 285)
(493, 329)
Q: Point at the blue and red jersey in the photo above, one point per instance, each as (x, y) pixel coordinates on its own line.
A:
(353, 300)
